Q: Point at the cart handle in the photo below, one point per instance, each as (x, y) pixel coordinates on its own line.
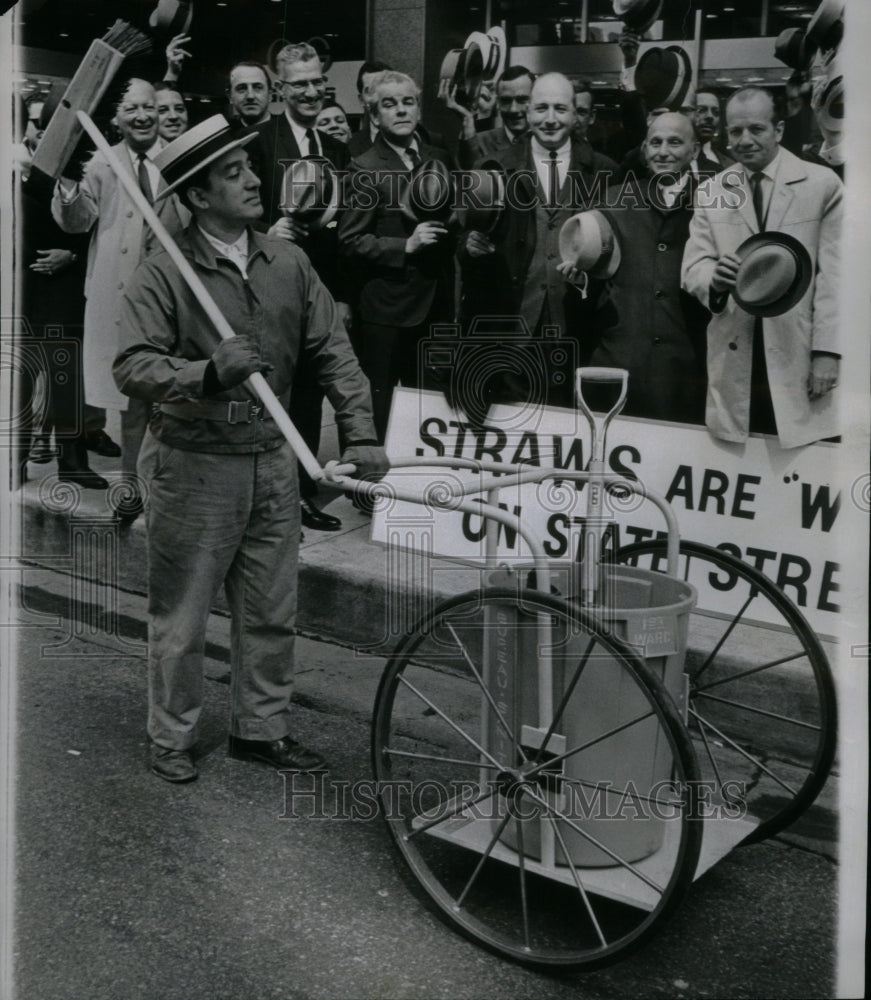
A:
(599, 429)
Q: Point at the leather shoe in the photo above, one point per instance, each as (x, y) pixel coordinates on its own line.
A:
(102, 444)
(316, 519)
(172, 765)
(86, 478)
(285, 753)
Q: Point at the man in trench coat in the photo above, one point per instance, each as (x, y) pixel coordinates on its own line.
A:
(797, 359)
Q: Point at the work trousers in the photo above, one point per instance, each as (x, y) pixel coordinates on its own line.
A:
(217, 519)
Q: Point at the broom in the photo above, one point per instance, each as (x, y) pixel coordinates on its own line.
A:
(84, 93)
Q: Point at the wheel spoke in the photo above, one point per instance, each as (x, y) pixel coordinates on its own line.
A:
(493, 841)
(710, 754)
(586, 746)
(761, 711)
(486, 692)
(438, 760)
(521, 869)
(551, 729)
(744, 753)
(585, 899)
(441, 819)
(450, 722)
(598, 843)
(752, 670)
(725, 635)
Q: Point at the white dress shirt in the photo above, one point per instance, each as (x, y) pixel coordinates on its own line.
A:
(542, 159)
(402, 152)
(299, 133)
(236, 253)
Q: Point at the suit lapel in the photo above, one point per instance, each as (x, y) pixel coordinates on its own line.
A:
(745, 198)
(790, 172)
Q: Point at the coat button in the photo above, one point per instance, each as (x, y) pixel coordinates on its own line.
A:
(733, 346)
(659, 294)
(123, 249)
(129, 215)
(551, 256)
(657, 340)
(662, 246)
(120, 285)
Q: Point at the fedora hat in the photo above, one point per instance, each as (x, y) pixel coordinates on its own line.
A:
(794, 49)
(309, 192)
(172, 16)
(663, 76)
(463, 69)
(829, 105)
(587, 242)
(638, 15)
(196, 148)
(826, 28)
(483, 200)
(429, 194)
(774, 273)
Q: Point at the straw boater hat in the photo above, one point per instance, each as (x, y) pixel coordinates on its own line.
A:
(663, 77)
(638, 15)
(774, 274)
(464, 69)
(172, 16)
(197, 148)
(429, 194)
(588, 243)
(494, 50)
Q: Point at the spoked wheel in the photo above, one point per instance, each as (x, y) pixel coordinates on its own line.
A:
(762, 707)
(554, 835)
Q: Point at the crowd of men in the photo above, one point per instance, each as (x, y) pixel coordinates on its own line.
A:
(341, 304)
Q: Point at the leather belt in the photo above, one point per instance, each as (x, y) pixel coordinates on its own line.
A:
(233, 411)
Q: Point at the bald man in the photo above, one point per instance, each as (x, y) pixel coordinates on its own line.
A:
(550, 175)
(643, 321)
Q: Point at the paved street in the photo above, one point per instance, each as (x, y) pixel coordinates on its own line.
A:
(129, 887)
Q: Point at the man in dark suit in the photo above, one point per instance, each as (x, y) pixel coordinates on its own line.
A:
(404, 270)
(512, 99)
(284, 139)
(642, 321)
(550, 175)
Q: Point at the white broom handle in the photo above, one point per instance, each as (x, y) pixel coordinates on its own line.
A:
(256, 381)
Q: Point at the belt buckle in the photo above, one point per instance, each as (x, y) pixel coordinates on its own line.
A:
(238, 411)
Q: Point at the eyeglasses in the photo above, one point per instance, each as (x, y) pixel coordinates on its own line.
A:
(300, 86)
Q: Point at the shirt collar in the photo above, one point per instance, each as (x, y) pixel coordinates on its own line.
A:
(238, 247)
(770, 170)
(205, 252)
(299, 133)
(541, 153)
(149, 153)
(401, 151)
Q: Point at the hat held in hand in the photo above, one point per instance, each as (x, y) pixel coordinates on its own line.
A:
(429, 195)
(638, 15)
(482, 200)
(774, 274)
(172, 17)
(310, 192)
(663, 77)
(588, 243)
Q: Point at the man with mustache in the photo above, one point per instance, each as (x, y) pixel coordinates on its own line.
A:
(223, 504)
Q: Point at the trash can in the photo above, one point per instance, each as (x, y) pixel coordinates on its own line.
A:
(609, 789)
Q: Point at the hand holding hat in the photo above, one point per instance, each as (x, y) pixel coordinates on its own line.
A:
(425, 235)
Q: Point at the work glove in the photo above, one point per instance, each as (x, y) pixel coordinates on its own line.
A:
(234, 360)
(370, 460)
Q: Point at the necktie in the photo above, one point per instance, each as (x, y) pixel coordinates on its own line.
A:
(553, 179)
(413, 156)
(145, 180)
(758, 199)
(312, 142)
